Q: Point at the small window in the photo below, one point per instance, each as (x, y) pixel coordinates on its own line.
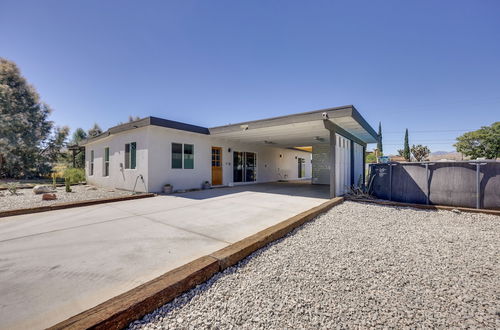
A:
(106, 161)
(91, 162)
(176, 155)
(188, 156)
(130, 155)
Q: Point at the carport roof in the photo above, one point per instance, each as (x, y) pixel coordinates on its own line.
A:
(301, 129)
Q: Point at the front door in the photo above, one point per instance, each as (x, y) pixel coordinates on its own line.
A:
(216, 166)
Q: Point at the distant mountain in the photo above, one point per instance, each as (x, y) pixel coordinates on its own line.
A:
(446, 155)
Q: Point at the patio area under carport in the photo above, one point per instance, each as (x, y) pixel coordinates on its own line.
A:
(59, 263)
(336, 136)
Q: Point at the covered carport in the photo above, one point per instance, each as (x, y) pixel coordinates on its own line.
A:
(337, 137)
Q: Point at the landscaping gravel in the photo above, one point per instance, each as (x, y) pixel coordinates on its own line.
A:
(25, 198)
(357, 266)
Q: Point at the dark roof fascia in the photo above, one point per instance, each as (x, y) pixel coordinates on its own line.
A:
(149, 121)
(155, 121)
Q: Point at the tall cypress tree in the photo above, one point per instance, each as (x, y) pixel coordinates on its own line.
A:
(379, 142)
(406, 148)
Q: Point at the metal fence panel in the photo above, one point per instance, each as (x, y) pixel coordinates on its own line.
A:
(444, 183)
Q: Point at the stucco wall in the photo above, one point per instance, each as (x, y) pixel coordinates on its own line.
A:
(358, 163)
(119, 177)
(270, 166)
(155, 164)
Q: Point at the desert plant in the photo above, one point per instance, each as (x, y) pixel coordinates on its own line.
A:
(12, 188)
(361, 191)
(420, 152)
(54, 176)
(67, 185)
(74, 175)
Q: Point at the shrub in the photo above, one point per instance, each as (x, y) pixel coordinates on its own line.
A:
(12, 188)
(74, 175)
(67, 185)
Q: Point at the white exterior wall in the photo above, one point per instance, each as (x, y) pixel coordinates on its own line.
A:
(155, 164)
(358, 163)
(321, 164)
(342, 164)
(118, 178)
(270, 166)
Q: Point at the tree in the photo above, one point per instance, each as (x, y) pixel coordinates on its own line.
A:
(78, 136)
(370, 158)
(420, 152)
(379, 142)
(94, 131)
(482, 143)
(406, 148)
(27, 139)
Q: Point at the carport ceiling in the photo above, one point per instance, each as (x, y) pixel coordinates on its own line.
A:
(303, 129)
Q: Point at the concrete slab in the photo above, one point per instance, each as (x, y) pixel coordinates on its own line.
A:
(54, 265)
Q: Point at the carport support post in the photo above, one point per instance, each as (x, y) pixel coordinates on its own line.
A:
(333, 141)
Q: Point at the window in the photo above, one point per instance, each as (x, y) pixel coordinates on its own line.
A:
(176, 155)
(188, 156)
(106, 161)
(91, 162)
(130, 155)
(180, 155)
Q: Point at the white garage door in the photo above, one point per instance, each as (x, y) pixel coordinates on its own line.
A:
(342, 165)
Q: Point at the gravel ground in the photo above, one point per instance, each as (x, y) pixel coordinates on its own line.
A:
(25, 198)
(357, 266)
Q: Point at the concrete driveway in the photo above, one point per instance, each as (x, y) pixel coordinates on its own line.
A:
(56, 264)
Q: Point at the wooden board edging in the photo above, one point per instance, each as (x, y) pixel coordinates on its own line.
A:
(232, 254)
(67, 205)
(427, 207)
(118, 312)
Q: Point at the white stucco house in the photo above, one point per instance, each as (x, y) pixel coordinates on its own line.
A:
(324, 146)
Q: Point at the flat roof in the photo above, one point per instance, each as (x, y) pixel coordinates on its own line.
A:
(300, 129)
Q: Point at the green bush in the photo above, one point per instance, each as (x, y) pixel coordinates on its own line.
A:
(74, 175)
(66, 184)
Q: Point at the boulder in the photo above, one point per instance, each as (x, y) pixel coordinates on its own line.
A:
(49, 197)
(40, 189)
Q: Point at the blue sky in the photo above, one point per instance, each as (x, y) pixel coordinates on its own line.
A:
(430, 66)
